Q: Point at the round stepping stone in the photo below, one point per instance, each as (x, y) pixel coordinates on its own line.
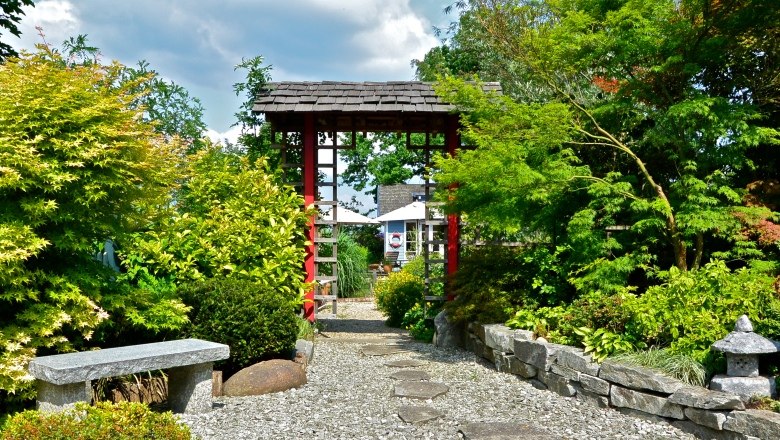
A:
(405, 363)
(381, 350)
(412, 375)
(418, 414)
(502, 431)
(420, 390)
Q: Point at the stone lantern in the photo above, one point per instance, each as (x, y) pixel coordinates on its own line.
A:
(742, 348)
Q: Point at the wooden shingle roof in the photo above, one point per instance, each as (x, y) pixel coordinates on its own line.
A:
(392, 105)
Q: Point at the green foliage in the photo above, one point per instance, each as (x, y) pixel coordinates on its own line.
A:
(121, 421)
(352, 260)
(232, 220)
(398, 293)
(419, 321)
(77, 165)
(678, 366)
(256, 322)
(305, 329)
(10, 14)
(601, 343)
(693, 309)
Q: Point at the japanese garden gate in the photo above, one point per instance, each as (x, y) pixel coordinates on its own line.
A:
(306, 119)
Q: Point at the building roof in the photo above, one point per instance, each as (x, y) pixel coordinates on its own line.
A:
(343, 105)
(412, 211)
(392, 197)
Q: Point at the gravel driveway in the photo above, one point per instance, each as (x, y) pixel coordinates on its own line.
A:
(350, 396)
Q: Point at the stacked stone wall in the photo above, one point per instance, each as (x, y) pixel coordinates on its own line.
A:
(630, 389)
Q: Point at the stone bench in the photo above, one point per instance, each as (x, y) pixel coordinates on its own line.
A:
(65, 379)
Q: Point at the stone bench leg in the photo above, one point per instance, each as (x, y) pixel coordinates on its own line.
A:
(54, 398)
(189, 388)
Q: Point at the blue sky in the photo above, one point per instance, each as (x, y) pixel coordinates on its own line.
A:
(197, 43)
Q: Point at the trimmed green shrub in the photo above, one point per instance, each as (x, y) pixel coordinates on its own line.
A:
(397, 294)
(256, 323)
(104, 421)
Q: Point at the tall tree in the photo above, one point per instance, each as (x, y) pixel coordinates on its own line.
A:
(10, 14)
(656, 121)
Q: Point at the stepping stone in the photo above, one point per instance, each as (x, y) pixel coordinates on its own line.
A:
(381, 350)
(418, 414)
(412, 375)
(405, 363)
(420, 390)
(502, 431)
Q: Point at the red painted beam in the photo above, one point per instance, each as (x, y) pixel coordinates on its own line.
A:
(309, 193)
(452, 143)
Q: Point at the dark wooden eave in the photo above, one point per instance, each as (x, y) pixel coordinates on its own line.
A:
(404, 106)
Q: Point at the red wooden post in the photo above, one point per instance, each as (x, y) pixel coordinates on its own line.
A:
(309, 193)
(452, 142)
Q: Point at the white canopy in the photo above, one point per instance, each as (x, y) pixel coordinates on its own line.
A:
(412, 211)
(346, 217)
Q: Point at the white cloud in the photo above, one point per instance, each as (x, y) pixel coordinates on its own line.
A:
(230, 134)
(57, 18)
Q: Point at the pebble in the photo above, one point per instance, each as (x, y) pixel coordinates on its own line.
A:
(349, 396)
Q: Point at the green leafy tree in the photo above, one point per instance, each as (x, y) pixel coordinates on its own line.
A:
(10, 14)
(77, 165)
(643, 114)
(231, 219)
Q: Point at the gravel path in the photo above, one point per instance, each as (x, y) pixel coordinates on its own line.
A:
(349, 396)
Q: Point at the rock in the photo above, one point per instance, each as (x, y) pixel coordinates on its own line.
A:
(479, 331)
(594, 384)
(502, 431)
(381, 350)
(488, 353)
(648, 403)
(743, 341)
(577, 360)
(710, 419)
(410, 375)
(539, 354)
(537, 384)
(744, 387)
(591, 398)
(500, 337)
(754, 422)
(265, 377)
(405, 363)
(418, 414)
(524, 335)
(566, 372)
(447, 334)
(557, 384)
(520, 368)
(702, 398)
(704, 432)
(479, 348)
(305, 348)
(420, 390)
(638, 378)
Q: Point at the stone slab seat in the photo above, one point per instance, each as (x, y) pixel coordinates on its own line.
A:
(64, 379)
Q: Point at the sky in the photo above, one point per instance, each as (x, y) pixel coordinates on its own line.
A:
(197, 43)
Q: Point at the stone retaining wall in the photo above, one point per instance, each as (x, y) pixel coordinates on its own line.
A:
(630, 389)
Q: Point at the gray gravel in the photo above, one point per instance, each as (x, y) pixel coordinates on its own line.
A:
(349, 396)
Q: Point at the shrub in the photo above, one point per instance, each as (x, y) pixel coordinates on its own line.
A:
(419, 321)
(693, 309)
(352, 266)
(397, 294)
(104, 421)
(77, 166)
(256, 323)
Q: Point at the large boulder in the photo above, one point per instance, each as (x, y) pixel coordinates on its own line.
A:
(265, 377)
(448, 334)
